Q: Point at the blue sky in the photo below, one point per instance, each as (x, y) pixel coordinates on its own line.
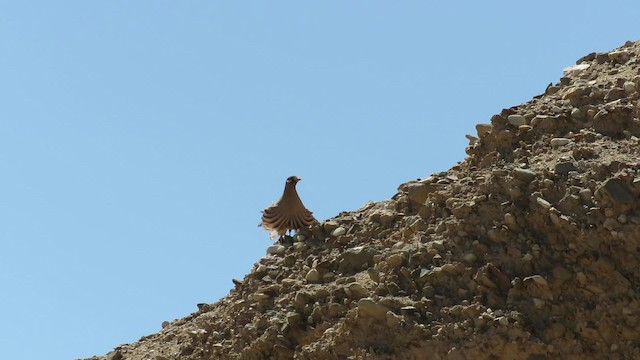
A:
(139, 140)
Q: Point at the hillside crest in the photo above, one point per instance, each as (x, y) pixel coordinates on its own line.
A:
(528, 249)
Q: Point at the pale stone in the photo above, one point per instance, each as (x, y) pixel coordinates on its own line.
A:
(517, 120)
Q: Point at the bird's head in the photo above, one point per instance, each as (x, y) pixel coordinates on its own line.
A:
(293, 180)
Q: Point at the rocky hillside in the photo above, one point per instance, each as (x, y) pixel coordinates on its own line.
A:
(529, 249)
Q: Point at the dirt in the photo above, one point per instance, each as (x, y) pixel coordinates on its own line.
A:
(528, 249)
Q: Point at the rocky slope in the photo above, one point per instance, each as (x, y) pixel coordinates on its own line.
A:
(529, 249)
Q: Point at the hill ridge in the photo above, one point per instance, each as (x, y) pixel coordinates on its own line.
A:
(528, 249)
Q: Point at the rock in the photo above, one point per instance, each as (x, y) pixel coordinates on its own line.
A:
(585, 195)
(629, 86)
(276, 250)
(300, 300)
(570, 204)
(355, 291)
(393, 320)
(544, 203)
(551, 89)
(578, 96)
(614, 120)
(502, 321)
(419, 191)
(328, 276)
(510, 221)
(577, 115)
(565, 167)
(339, 231)
(395, 260)
(602, 58)
(383, 216)
(589, 57)
(619, 56)
(575, 70)
(517, 120)
(524, 174)
(313, 276)
(536, 279)
(538, 287)
(483, 130)
(374, 275)
(330, 225)
(294, 318)
(368, 308)
(469, 258)
(418, 225)
(356, 259)
(472, 139)
(557, 142)
(545, 123)
(617, 190)
(260, 297)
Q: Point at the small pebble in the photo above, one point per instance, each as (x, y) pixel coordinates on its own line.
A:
(629, 86)
(557, 142)
(510, 220)
(555, 219)
(586, 194)
(544, 203)
(536, 279)
(260, 297)
(469, 258)
(313, 276)
(339, 231)
(581, 277)
(503, 321)
(577, 114)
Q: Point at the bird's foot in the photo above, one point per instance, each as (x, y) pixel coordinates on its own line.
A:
(286, 240)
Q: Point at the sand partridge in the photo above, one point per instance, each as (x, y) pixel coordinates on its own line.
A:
(288, 213)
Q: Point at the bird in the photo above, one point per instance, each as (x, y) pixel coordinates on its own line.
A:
(288, 213)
